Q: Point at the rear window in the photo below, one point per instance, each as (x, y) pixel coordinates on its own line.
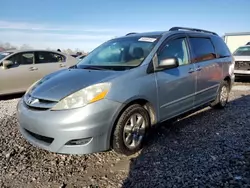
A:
(202, 48)
(221, 47)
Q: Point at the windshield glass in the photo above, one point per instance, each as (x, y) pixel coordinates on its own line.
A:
(4, 54)
(243, 51)
(120, 52)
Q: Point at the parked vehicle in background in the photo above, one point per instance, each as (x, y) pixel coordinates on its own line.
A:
(74, 55)
(235, 40)
(78, 54)
(81, 57)
(242, 61)
(19, 69)
(2, 49)
(112, 97)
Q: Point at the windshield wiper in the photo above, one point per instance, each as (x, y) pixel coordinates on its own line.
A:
(113, 68)
(95, 68)
(73, 67)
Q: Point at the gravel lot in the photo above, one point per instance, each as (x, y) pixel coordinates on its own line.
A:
(210, 148)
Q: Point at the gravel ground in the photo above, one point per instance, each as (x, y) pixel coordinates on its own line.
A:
(209, 148)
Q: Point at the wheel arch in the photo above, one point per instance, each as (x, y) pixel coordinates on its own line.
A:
(228, 80)
(141, 101)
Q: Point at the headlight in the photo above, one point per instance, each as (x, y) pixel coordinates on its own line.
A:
(83, 97)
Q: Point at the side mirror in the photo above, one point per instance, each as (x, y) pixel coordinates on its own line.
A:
(168, 63)
(7, 64)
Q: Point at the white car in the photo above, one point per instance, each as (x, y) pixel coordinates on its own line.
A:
(19, 69)
(242, 61)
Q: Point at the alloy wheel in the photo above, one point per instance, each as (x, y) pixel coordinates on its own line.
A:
(134, 131)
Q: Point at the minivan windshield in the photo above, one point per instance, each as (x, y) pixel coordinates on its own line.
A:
(242, 51)
(121, 52)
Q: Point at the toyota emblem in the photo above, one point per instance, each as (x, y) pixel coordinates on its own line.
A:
(31, 100)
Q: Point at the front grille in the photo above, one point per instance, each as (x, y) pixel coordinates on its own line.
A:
(37, 103)
(35, 108)
(40, 137)
(242, 65)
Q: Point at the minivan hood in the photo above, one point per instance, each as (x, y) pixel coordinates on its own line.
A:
(242, 58)
(62, 83)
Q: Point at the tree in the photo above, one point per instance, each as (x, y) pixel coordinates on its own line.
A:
(7, 46)
(25, 47)
(69, 51)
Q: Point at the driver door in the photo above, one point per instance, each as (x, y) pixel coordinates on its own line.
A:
(176, 86)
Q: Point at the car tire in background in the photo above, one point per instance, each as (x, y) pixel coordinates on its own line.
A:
(131, 130)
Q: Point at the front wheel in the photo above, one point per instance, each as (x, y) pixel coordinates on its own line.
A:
(222, 97)
(131, 130)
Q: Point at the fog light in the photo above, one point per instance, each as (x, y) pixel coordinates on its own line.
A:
(81, 141)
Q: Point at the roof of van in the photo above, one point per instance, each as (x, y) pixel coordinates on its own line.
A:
(147, 33)
(172, 30)
(160, 33)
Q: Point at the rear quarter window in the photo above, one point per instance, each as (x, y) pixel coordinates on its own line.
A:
(202, 49)
(221, 48)
(49, 57)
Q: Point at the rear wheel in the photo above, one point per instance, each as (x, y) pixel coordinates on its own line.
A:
(131, 130)
(222, 97)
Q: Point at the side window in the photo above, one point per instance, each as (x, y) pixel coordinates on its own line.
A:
(48, 57)
(221, 47)
(203, 49)
(25, 58)
(58, 57)
(14, 58)
(175, 48)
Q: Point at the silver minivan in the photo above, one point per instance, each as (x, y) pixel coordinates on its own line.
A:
(113, 96)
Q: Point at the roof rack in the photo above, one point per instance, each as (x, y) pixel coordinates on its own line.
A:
(191, 29)
(130, 33)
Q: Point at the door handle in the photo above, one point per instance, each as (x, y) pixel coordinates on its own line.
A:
(62, 65)
(191, 70)
(33, 68)
(198, 69)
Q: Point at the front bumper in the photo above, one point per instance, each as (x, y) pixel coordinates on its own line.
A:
(242, 72)
(55, 131)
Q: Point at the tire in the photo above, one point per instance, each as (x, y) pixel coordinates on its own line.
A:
(221, 102)
(131, 119)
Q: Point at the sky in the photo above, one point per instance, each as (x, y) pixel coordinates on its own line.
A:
(85, 24)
